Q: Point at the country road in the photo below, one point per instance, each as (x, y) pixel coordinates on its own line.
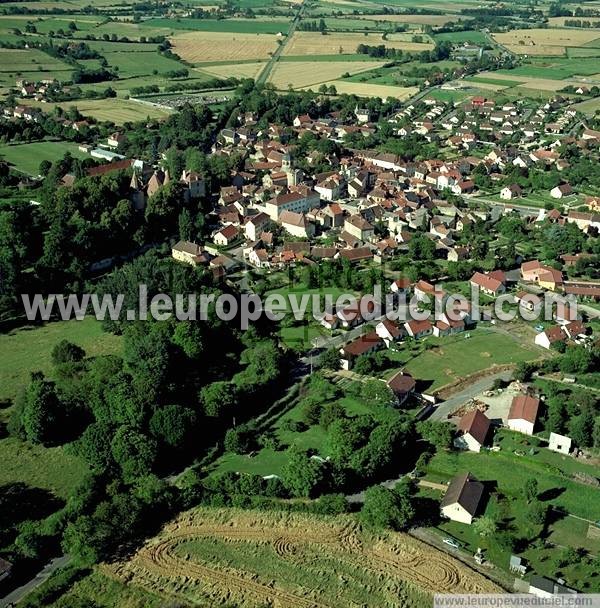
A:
(266, 71)
(20, 592)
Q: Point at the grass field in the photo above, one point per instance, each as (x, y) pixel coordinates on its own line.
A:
(554, 68)
(27, 157)
(198, 47)
(304, 74)
(30, 64)
(470, 36)
(313, 43)
(275, 558)
(588, 107)
(114, 110)
(28, 349)
(454, 357)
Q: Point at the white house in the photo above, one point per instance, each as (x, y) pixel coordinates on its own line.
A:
(473, 428)
(462, 498)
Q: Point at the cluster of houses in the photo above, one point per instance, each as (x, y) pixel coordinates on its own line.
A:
(41, 90)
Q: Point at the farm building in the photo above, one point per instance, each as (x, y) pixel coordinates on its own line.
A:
(523, 414)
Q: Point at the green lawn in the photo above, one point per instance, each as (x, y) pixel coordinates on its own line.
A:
(300, 337)
(27, 157)
(453, 357)
(28, 349)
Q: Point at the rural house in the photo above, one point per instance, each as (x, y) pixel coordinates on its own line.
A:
(473, 429)
(462, 498)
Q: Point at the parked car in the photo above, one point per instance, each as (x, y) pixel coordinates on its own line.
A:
(453, 543)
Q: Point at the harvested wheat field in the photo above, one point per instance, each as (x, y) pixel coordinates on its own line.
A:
(364, 89)
(302, 74)
(312, 43)
(544, 41)
(291, 560)
(198, 47)
(234, 70)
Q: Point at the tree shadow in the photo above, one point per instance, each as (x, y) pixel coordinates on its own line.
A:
(20, 502)
(550, 494)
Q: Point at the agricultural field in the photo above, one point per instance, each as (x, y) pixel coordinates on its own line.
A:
(202, 47)
(26, 158)
(30, 64)
(115, 110)
(291, 560)
(365, 89)
(234, 70)
(545, 41)
(235, 26)
(589, 107)
(305, 74)
(313, 43)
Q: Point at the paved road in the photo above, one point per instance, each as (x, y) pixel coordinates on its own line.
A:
(479, 386)
(18, 594)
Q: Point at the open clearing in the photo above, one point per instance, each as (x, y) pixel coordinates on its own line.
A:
(28, 349)
(364, 89)
(303, 74)
(234, 70)
(198, 47)
(544, 41)
(311, 43)
(589, 107)
(291, 560)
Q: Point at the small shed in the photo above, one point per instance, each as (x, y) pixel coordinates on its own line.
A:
(559, 443)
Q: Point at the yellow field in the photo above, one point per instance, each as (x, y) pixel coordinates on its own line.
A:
(543, 84)
(312, 43)
(198, 47)
(254, 558)
(544, 41)
(115, 110)
(364, 89)
(417, 19)
(234, 70)
(302, 74)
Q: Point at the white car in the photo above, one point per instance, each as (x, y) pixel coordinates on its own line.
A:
(450, 541)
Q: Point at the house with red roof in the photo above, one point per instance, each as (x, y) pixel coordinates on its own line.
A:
(523, 414)
(473, 429)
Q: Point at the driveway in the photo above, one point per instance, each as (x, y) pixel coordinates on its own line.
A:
(473, 390)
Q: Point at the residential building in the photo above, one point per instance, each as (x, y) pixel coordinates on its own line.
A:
(462, 498)
(473, 429)
(402, 385)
